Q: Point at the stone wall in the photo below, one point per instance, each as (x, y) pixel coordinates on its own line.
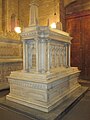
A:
(16, 8)
(10, 57)
(24, 12)
(47, 8)
(20, 9)
(7, 66)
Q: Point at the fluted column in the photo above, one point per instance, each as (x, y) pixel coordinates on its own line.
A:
(50, 53)
(55, 57)
(24, 56)
(69, 55)
(48, 57)
(43, 55)
(61, 57)
(66, 56)
(37, 54)
(27, 58)
(30, 56)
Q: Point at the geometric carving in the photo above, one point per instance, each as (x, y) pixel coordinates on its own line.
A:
(10, 57)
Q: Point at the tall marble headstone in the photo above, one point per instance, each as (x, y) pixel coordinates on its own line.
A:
(47, 79)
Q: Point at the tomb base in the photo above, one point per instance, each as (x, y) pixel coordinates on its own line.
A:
(43, 91)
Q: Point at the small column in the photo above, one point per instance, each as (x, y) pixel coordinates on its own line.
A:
(43, 55)
(66, 64)
(50, 54)
(69, 55)
(48, 57)
(27, 57)
(55, 57)
(24, 56)
(30, 56)
(58, 56)
(61, 57)
(37, 55)
(64, 56)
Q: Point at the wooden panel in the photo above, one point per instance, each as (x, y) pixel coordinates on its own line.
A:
(73, 27)
(78, 6)
(79, 28)
(86, 45)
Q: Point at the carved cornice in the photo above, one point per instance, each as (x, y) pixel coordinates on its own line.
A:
(46, 33)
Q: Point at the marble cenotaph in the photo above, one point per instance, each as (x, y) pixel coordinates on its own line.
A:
(47, 79)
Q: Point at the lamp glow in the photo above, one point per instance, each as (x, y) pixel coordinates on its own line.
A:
(17, 29)
(53, 25)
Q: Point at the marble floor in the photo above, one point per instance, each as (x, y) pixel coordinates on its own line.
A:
(80, 111)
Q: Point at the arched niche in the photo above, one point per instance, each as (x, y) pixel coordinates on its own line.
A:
(13, 22)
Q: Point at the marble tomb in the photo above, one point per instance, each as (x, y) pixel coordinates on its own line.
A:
(47, 79)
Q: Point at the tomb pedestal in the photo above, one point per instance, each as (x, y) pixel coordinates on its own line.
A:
(47, 79)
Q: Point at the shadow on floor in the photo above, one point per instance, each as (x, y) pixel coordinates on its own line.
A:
(81, 111)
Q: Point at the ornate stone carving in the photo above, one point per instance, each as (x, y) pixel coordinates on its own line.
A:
(12, 35)
(57, 47)
(10, 57)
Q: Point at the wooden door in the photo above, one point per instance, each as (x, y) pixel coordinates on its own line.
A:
(73, 27)
(79, 28)
(86, 46)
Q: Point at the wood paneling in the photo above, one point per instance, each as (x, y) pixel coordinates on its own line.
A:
(86, 45)
(73, 27)
(78, 25)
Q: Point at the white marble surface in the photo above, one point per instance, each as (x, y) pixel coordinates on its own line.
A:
(42, 91)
